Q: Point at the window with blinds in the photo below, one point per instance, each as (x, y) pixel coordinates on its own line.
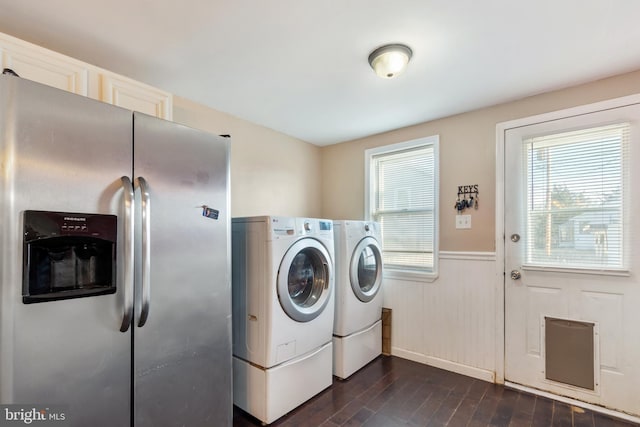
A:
(575, 198)
(403, 199)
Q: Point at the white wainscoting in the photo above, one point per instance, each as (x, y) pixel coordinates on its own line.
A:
(449, 323)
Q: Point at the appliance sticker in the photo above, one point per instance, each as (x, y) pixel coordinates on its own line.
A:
(210, 212)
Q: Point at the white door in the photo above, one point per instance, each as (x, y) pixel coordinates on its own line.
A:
(572, 254)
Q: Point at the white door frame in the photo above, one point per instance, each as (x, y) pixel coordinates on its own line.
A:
(501, 129)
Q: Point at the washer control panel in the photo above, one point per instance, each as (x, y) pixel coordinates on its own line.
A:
(286, 226)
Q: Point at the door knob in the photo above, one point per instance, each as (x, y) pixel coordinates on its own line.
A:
(515, 275)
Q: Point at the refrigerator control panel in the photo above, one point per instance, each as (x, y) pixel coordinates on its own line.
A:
(45, 225)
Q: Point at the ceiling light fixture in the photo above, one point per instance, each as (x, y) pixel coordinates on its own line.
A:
(390, 60)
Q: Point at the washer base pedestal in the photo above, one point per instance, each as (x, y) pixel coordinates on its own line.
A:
(352, 352)
(268, 394)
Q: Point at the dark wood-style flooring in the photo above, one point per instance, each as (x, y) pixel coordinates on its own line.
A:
(391, 391)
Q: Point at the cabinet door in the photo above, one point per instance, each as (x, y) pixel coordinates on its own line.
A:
(43, 66)
(126, 93)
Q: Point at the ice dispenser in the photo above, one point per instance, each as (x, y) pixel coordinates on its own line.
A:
(68, 255)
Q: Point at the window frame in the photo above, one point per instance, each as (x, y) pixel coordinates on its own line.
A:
(429, 141)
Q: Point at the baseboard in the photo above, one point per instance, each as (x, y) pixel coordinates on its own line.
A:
(470, 371)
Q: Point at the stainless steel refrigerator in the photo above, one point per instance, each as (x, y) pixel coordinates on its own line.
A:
(115, 268)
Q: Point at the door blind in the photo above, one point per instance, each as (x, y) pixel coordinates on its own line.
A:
(575, 198)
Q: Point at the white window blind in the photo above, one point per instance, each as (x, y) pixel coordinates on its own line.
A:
(403, 200)
(575, 196)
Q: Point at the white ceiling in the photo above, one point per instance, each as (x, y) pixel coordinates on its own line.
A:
(300, 66)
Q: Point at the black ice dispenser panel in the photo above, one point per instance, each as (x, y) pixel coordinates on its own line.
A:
(68, 255)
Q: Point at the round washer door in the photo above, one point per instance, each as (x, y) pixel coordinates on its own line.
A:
(366, 269)
(304, 280)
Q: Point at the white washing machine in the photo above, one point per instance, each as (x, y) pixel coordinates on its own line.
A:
(357, 329)
(283, 308)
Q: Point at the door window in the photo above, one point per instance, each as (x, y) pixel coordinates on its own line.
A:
(307, 277)
(366, 269)
(305, 280)
(575, 187)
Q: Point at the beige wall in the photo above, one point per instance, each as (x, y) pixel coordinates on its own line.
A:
(467, 156)
(275, 174)
(271, 173)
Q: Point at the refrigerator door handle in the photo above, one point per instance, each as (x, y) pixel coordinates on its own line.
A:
(145, 209)
(128, 254)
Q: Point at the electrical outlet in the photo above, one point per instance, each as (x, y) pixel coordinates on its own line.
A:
(463, 221)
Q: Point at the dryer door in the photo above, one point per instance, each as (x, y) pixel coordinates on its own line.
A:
(366, 269)
(305, 280)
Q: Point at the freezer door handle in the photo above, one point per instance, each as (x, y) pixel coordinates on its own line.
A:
(128, 254)
(145, 210)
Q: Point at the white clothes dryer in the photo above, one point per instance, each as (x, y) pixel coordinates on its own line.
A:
(357, 330)
(283, 311)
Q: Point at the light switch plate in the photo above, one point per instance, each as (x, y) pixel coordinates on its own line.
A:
(463, 221)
